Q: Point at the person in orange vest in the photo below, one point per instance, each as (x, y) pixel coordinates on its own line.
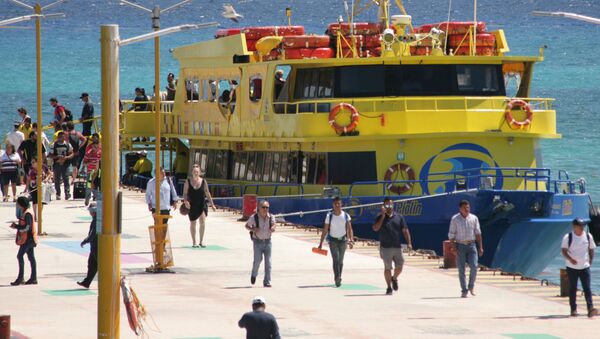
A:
(27, 240)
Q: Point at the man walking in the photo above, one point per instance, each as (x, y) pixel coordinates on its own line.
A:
(258, 323)
(390, 226)
(92, 239)
(61, 155)
(87, 114)
(465, 236)
(578, 249)
(261, 225)
(338, 230)
(60, 115)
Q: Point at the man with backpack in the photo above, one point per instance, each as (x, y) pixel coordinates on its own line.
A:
(338, 230)
(77, 141)
(391, 226)
(61, 114)
(261, 226)
(578, 249)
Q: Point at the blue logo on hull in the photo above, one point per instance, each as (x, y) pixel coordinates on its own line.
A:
(470, 163)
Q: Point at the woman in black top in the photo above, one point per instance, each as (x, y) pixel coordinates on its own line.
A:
(195, 194)
(26, 225)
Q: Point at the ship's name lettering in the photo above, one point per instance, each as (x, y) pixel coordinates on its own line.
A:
(410, 208)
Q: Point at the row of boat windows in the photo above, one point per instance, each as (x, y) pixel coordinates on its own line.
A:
(288, 167)
(399, 80)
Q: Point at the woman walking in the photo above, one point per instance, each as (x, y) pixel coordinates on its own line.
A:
(9, 165)
(27, 240)
(195, 194)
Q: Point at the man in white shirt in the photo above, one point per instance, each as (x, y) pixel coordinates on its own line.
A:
(465, 235)
(15, 137)
(578, 249)
(338, 229)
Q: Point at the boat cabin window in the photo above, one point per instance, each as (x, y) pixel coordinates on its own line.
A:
(361, 81)
(314, 83)
(192, 86)
(476, 79)
(227, 95)
(343, 164)
(255, 88)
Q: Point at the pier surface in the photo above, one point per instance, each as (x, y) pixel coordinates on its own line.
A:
(211, 289)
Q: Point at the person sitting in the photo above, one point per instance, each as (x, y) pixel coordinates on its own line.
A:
(143, 166)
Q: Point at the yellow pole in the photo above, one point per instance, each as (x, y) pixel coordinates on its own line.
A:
(40, 156)
(109, 265)
(157, 219)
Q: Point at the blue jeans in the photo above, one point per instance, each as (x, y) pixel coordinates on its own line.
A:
(262, 248)
(338, 249)
(467, 254)
(61, 174)
(584, 276)
(27, 248)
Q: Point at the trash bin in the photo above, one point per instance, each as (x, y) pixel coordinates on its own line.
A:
(449, 255)
(249, 204)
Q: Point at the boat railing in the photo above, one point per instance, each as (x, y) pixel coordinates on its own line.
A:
(134, 113)
(537, 179)
(275, 186)
(407, 104)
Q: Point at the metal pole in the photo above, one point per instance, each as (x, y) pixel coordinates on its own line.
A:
(157, 219)
(40, 155)
(109, 265)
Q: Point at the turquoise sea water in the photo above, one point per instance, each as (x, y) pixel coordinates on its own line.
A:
(71, 57)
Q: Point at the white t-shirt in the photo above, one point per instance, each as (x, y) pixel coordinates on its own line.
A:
(337, 228)
(579, 250)
(15, 138)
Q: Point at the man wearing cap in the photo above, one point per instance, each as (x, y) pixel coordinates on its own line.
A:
(91, 239)
(578, 249)
(258, 323)
(87, 113)
(143, 166)
(15, 137)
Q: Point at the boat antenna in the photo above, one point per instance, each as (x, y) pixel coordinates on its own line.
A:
(447, 24)
(347, 10)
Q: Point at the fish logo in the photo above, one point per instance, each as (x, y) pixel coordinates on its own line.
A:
(470, 162)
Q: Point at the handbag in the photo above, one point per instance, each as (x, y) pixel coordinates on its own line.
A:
(21, 238)
(183, 209)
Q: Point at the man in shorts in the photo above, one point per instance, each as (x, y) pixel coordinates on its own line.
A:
(391, 226)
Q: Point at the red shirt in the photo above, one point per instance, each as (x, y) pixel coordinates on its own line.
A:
(93, 154)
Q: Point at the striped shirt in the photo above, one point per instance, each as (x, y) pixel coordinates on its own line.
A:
(464, 229)
(9, 163)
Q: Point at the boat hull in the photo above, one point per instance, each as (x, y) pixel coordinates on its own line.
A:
(522, 230)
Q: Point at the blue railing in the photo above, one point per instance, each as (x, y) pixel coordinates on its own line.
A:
(487, 178)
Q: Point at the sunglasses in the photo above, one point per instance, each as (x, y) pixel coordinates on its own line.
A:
(265, 207)
(388, 206)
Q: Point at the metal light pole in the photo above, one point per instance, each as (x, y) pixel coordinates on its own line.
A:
(155, 13)
(109, 264)
(37, 9)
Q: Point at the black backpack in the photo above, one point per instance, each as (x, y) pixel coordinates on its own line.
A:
(68, 114)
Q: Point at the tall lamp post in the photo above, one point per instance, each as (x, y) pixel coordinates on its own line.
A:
(37, 9)
(109, 264)
(155, 15)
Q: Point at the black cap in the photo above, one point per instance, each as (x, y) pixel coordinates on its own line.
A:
(84, 94)
(579, 221)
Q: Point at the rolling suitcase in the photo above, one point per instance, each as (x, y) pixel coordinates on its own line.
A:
(79, 189)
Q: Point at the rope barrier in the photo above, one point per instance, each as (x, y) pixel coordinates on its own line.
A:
(302, 213)
(273, 196)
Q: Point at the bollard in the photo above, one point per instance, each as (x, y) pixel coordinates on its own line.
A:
(249, 204)
(4, 326)
(449, 255)
(564, 283)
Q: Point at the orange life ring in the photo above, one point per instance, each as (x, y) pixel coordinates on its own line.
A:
(510, 119)
(399, 167)
(334, 112)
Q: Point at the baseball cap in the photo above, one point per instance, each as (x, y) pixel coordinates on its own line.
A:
(84, 94)
(258, 300)
(578, 221)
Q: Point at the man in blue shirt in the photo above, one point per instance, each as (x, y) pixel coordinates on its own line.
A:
(391, 226)
(258, 323)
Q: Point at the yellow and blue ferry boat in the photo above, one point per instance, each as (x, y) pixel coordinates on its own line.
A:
(428, 115)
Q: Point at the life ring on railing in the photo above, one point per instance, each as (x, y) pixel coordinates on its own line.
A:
(354, 118)
(510, 119)
(399, 167)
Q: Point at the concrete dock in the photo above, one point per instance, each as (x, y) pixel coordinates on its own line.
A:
(211, 289)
